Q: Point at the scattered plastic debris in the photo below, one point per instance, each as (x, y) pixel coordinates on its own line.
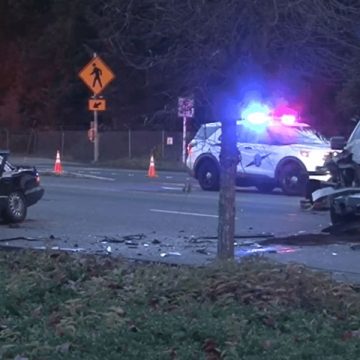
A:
(187, 186)
(26, 238)
(202, 251)
(20, 238)
(200, 239)
(112, 240)
(131, 243)
(239, 252)
(170, 253)
(305, 204)
(59, 248)
(108, 249)
(146, 245)
(134, 237)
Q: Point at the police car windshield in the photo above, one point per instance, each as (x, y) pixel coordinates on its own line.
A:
(288, 135)
(206, 130)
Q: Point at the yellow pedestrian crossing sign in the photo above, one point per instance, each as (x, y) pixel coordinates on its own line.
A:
(96, 75)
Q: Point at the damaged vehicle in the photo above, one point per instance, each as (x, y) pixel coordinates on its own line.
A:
(343, 189)
(19, 189)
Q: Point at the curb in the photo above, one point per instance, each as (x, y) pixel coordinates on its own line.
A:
(73, 175)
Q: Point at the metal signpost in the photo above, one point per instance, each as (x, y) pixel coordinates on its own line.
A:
(185, 110)
(97, 76)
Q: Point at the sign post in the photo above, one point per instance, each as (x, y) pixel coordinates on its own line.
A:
(184, 141)
(97, 76)
(185, 110)
(95, 104)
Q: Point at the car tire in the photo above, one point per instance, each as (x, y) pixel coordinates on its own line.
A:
(293, 179)
(266, 188)
(208, 176)
(310, 187)
(16, 209)
(337, 219)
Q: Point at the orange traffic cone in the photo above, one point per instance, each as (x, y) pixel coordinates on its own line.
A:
(57, 167)
(152, 172)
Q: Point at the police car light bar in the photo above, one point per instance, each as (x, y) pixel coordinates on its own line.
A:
(288, 119)
(256, 113)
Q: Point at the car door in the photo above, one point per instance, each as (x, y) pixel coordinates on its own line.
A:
(251, 144)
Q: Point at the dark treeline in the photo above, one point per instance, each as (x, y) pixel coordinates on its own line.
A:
(305, 53)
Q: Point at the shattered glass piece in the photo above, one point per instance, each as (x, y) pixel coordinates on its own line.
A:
(170, 253)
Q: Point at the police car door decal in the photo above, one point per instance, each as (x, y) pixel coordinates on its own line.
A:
(258, 158)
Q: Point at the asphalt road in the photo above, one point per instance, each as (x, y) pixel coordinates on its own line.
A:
(123, 212)
(110, 202)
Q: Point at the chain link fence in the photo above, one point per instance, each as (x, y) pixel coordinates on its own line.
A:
(113, 145)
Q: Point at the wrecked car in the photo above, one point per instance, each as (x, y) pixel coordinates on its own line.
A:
(343, 188)
(19, 189)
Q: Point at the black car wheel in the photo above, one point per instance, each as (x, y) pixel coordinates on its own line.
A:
(15, 210)
(208, 176)
(293, 179)
(337, 219)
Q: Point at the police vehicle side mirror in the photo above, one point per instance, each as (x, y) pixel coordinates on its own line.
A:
(337, 142)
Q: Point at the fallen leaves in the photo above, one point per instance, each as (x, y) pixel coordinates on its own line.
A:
(348, 335)
(212, 352)
(63, 348)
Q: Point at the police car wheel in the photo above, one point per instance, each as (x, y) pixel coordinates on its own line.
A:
(293, 179)
(208, 176)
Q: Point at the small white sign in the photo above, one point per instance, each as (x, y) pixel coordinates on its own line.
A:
(186, 107)
(169, 140)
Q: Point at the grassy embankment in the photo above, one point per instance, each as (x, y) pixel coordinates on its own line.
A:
(60, 306)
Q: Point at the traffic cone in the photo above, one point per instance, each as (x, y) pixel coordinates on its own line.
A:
(57, 167)
(152, 172)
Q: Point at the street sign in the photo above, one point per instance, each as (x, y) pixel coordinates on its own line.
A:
(186, 107)
(96, 75)
(169, 140)
(185, 110)
(97, 105)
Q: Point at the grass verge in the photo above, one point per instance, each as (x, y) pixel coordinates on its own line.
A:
(61, 306)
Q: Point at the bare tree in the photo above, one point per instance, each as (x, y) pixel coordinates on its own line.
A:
(206, 46)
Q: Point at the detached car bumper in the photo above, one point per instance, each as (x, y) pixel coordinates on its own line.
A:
(320, 174)
(33, 195)
(322, 178)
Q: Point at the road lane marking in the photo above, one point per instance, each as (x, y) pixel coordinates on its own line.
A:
(183, 213)
(170, 188)
(173, 183)
(88, 176)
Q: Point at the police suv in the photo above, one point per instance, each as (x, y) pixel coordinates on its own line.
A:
(276, 154)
